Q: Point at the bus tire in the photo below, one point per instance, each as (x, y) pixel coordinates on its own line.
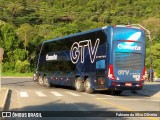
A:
(46, 82)
(117, 92)
(40, 80)
(88, 86)
(79, 85)
(35, 78)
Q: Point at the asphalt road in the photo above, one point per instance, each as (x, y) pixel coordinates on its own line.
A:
(29, 96)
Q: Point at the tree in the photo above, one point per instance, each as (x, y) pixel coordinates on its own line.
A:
(25, 34)
(2, 23)
(9, 37)
(153, 24)
(15, 8)
(155, 58)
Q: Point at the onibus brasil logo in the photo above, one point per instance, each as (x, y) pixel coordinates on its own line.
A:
(78, 49)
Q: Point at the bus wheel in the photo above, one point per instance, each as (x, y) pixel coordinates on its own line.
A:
(46, 82)
(79, 85)
(35, 78)
(88, 87)
(117, 92)
(40, 80)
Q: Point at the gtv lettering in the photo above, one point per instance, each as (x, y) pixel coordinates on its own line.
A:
(123, 72)
(78, 49)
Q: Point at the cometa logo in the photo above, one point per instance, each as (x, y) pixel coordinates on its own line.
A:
(52, 57)
(129, 47)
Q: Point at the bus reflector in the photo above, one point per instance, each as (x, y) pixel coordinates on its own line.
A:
(113, 83)
(111, 72)
(143, 73)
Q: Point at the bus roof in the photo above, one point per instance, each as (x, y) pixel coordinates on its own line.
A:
(93, 30)
(72, 35)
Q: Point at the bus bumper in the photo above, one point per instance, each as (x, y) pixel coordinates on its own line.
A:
(126, 86)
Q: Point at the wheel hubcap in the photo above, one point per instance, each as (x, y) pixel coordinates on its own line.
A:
(87, 85)
(78, 84)
(40, 80)
(45, 81)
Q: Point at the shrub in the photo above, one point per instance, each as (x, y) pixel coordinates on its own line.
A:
(7, 66)
(22, 66)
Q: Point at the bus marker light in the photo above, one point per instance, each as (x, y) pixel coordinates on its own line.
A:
(113, 83)
(111, 72)
(143, 74)
(141, 84)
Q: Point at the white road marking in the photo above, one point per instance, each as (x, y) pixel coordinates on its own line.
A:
(56, 93)
(23, 94)
(71, 93)
(109, 95)
(89, 94)
(155, 100)
(40, 94)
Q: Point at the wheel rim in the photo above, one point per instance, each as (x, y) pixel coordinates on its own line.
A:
(87, 85)
(40, 80)
(78, 84)
(45, 81)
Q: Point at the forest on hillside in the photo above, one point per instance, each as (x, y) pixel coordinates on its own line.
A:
(26, 23)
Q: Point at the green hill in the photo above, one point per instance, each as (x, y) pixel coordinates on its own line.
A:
(26, 23)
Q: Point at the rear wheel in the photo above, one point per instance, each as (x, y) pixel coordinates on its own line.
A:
(88, 86)
(79, 85)
(46, 82)
(40, 80)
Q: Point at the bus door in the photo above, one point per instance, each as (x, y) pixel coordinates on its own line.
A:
(100, 73)
(128, 62)
(101, 66)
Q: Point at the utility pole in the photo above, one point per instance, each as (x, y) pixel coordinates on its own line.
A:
(1, 58)
(150, 52)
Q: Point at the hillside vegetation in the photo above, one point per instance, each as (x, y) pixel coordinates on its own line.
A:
(26, 23)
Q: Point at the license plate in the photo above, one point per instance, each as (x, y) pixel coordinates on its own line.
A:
(128, 84)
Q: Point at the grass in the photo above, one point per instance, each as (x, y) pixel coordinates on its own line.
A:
(15, 74)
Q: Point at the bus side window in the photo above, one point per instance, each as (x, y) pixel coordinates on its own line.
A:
(100, 64)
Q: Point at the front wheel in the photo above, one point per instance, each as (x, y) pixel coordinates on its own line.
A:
(88, 86)
(35, 78)
(46, 82)
(79, 85)
(40, 80)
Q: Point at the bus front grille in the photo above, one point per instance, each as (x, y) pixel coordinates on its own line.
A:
(132, 61)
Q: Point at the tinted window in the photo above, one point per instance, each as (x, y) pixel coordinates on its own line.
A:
(61, 49)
